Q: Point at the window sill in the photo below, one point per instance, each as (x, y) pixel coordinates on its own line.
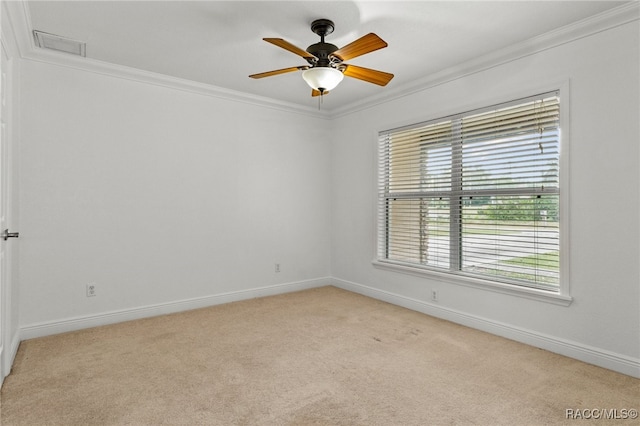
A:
(497, 287)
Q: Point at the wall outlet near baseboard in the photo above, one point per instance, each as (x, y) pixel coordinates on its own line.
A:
(277, 267)
(91, 289)
(434, 295)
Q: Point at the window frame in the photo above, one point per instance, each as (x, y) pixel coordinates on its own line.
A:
(561, 296)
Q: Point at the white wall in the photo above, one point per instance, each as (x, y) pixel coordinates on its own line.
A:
(159, 195)
(604, 318)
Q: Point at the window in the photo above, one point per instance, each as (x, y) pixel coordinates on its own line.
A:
(475, 195)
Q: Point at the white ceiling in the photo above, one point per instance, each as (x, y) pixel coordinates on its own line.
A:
(220, 42)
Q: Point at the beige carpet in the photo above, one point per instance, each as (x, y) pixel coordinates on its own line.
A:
(318, 357)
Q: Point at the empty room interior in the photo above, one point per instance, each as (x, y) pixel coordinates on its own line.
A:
(319, 212)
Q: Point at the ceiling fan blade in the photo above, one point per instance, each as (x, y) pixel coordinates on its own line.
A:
(315, 92)
(290, 47)
(380, 78)
(363, 45)
(276, 72)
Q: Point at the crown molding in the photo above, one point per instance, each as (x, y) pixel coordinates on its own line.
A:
(7, 37)
(610, 19)
(148, 77)
(21, 27)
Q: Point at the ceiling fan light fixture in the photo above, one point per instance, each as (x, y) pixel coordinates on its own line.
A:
(322, 78)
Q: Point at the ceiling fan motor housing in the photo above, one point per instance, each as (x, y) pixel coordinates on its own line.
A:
(322, 51)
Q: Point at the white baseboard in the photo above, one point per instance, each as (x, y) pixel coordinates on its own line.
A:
(2, 369)
(77, 323)
(10, 354)
(602, 358)
(13, 351)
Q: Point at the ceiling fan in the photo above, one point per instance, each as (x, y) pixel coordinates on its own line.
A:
(326, 67)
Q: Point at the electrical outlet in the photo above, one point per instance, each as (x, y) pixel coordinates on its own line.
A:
(91, 289)
(277, 267)
(434, 295)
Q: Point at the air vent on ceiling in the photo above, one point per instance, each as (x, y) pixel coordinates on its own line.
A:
(61, 44)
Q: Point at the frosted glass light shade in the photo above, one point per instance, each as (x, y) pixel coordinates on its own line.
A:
(324, 78)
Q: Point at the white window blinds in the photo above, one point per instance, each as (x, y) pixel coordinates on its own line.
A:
(475, 194)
